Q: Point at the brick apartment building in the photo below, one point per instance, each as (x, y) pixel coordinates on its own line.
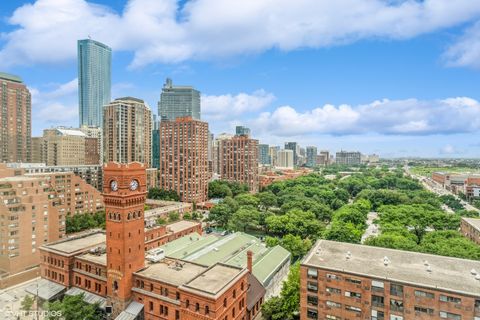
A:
(33, 211)
(184, 158)
(470, 228)
(119, 276)
(350, 281)
(238, 160)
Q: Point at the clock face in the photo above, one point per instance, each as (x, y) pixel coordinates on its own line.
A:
(114, 185)
(133, 185)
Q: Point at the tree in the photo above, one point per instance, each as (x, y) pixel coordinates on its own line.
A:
(73, 308)
(219, 189)
(27, 303)
(392, 241)
(173, 216)
(161, 194)
(247, 217)
(160, 221)
(295, 222)
(247, 199)
(450, 243)
(220, 214)
(267, 200)
(343, 232)
(187, 216)
(297, 246)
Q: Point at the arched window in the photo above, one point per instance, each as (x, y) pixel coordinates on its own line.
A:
(129, 216)
(139, 214)
(225, 302)
(241, 286)
(187, 303)
(207, 310)
(110, 216)
(234, 293)
(134, 215)
(115, 285)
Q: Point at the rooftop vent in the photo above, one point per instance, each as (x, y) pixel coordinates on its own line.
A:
(477, 277)
(386, 261)
(429, 269)
(349, 255)
(425, 263)
(473, 271)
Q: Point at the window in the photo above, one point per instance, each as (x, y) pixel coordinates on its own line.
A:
(396, 305)
(330, 317)
(312, 273)
(378, 315)
(396, 290)
(187, 303)
(333, 290)
(353, 294)
(225, 302)
(234, 293)
(197, 306)
(355, 281)
(333, 304)
(448, 315)
(423, 310)
(424, 294)
(312, 300)
(333, 276)
(378, 301)
(450, 299)
(377, 286)
(150, 305)
(207, 310)
(312, 286)
(312, 314)
(352, 308)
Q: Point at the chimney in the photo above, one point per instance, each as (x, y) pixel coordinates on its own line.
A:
(250, 261)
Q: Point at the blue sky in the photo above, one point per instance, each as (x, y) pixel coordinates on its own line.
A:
(399, 78)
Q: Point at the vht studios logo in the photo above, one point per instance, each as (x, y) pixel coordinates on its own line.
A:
(31, 314)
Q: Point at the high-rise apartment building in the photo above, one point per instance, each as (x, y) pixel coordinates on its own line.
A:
(348, 158)
(15, 119)
(295, 147)
(311, 154)
(68, 147)
(285, 159)
(272, 152)
(94, 81)
(350, 281)
(127, 131)
(216, 150)
(323, 158)
(242, 131)
(155, 142)
(178, 101)
(96, 133)
(238, 160)
(34, 208)
(37, 145)
(263, 154)
(184, 158)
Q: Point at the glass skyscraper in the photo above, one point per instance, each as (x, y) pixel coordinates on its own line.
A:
(94, 81)
(178, 101)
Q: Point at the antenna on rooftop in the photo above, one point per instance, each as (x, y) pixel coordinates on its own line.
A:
(89, 37)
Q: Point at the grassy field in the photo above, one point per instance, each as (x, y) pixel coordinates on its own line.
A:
(427, 171)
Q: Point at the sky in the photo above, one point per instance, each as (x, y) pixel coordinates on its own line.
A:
(394, 77)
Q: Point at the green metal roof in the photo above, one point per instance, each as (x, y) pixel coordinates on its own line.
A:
(232, 250)
(10, 77)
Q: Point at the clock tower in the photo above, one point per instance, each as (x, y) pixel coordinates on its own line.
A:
(124, 195)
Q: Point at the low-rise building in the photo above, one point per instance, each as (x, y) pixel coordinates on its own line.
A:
(348, 158)
(162, 209)
(349, 281)
(470, 228)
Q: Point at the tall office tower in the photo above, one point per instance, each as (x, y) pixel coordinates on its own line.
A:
(69, 147)
(216, 155)
(178, 101)
(238, 160)
(127, 131)
(326, 156)
(184, 158)
(263, 154)
(285, 159)
(96, 133)
(242, 131)
(34, 208)
(155, 142)
(348, 158)
(311, 154)
(295, 149)
(15, 119)
(124, 193)
(272, 152)
(94, 81)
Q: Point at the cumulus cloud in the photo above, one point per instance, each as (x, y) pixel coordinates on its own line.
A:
(229, 106)
(465, 52)
(162, 31)
(386, 117)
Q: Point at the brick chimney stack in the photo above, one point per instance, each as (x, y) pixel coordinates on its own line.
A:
(250, 261)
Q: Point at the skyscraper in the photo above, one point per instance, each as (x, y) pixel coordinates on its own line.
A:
(127, 131)
(15, 120)
(242, 131)
(238, 160)
(311, 156)
(285, 159)
(295, 149)
(155, 143)
(178, 101)
(94, 81)
(184, 158)
(263, 154)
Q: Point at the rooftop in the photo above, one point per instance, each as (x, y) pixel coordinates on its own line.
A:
(71, 132)
(10, 77)
(213, 280)
(175, 272)
(181, 225)
(449, 274)
(474, 222)
(77, 244)
(19, 179)
(100, 259)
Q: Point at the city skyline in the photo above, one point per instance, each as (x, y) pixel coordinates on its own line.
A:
(367, 87)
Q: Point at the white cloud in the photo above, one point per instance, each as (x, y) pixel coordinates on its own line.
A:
(229, 106)
(385, 117)
(58, 114)
(48, 29)
(466, 51)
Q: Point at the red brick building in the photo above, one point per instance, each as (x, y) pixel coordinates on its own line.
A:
(470, 228)
(117, 274)
(349, 281)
